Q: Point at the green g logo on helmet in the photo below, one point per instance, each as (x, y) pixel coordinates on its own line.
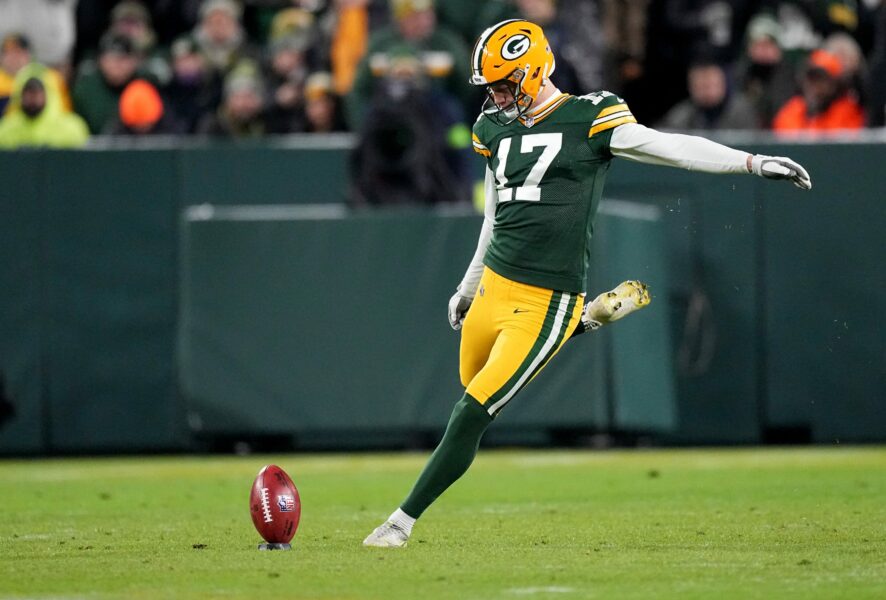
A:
(515, 46)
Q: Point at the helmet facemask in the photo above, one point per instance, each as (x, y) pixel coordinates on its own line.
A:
(519, 105)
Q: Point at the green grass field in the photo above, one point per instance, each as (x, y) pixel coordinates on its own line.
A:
(750, 523)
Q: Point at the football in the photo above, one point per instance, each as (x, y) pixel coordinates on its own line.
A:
(274, 505)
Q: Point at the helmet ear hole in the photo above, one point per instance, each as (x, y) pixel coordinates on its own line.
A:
(535, 73)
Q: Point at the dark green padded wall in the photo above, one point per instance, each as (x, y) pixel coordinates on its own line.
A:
(22, 299)
(262, 174)
(825, 297)
(309, 325)
(710, 239)
(781, 291)
(111, 262)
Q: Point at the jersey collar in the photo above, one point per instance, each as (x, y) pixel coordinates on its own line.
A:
(538, 113)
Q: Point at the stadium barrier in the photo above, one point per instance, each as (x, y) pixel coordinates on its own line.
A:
(306, 321)
(774, 297)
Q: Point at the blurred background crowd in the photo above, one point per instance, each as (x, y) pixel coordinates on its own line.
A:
(397, 69)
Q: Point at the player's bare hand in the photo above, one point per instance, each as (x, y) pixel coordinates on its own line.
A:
(780, 167)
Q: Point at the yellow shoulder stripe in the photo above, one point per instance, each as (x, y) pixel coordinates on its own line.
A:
(547, 111)
(610, 124)
(479, 148)
(611, 109)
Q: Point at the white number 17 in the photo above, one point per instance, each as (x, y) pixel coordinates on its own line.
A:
(529, 191)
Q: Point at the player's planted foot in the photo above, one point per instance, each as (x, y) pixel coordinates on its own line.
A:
(611, 306)
(387, 535)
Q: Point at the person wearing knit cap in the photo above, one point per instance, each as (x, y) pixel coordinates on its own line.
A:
(855, 69)
(440, 51)
(322, 107)
(100, 82)
(195, 89)
(142, 112)
(241, 114)
(824, 103)
(220, 35)
(140, 106)
(765, 75)
(131, 19)
(286, 68)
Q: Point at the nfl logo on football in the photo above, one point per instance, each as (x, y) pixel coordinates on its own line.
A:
(285, 503)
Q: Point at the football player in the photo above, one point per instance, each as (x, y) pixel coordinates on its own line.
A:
(547, 153)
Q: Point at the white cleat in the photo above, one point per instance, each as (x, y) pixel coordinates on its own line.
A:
(611, 306)
(387, 535)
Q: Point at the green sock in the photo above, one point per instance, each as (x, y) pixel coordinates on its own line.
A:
(453, 455)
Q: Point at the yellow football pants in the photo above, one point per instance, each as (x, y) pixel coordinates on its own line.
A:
(510, 333)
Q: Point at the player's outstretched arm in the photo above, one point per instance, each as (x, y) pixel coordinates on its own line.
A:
(642, 144)
(464, 293)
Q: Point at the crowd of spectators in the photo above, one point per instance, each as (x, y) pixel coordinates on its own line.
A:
(243, 69)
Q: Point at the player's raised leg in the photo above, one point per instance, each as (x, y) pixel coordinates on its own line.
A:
(608, 307)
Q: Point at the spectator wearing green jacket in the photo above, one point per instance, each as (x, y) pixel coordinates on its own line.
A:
(36, 118)
(100, 82)
(442, 54)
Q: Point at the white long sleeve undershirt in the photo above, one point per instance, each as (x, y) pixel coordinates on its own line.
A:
(633, 142)
(471, 280)
(641, 144)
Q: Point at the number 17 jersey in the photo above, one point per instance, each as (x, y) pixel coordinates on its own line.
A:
(549, 174)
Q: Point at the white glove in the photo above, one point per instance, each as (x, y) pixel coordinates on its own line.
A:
(458, 308)
(779, 167)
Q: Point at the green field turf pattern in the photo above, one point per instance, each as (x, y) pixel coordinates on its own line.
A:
(747, 523)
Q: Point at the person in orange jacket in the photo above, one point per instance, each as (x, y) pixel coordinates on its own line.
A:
(824, 104)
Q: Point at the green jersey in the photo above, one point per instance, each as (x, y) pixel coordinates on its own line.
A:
(549, 173)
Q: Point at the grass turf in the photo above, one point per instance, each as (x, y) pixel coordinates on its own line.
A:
(750, 523)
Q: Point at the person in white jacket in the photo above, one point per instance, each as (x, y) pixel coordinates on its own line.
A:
(48, 24)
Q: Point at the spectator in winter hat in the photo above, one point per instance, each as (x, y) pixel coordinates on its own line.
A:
(824, 103)
(220, 35)
(142, 112)
(132, 20)
(322, 106)
(415, 31)
(194, 89)
(241, 114)
(855, 70)
(765, 75)
(287, 69)
(100, 82)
